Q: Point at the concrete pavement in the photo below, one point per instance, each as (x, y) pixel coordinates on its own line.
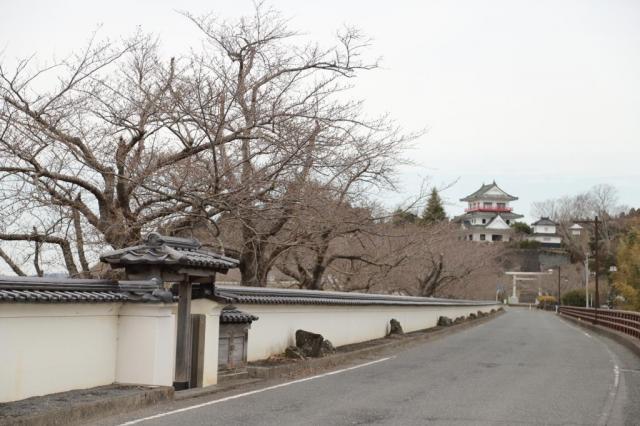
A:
(524, 367)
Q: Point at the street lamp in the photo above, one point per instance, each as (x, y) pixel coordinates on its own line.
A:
(612, 270)
(551, 271)
(596, 222)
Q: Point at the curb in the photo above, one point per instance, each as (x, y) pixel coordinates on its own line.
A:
(629, 342)
(213, 389)
(311, 364)
(80, 413)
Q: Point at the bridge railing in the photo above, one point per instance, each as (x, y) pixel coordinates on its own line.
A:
(623, 321)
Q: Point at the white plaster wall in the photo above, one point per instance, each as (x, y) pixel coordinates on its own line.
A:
(275, 330)
(212, 332)
(47, 348)
(544, 229)
(488, 235)
(548, 240)
(146, 345)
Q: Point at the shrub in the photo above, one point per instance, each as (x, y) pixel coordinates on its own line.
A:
(544, 302)
(574, 298)
(547, 299)
(529, 244)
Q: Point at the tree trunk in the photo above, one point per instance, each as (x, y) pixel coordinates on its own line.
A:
(248, 267)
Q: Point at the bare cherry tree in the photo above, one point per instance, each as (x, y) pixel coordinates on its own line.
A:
(439, 263)
(81, 142)
(601, 200)
(299, 127)
(341, 243)
(116, 140)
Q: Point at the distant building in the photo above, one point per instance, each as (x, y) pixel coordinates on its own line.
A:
(575, 229)
(488, 216)
(545, 231)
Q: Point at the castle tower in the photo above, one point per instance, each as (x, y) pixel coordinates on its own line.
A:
(488, 216)
(545, 232)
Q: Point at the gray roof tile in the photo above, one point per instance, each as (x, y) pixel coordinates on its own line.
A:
(483, 189)
(544, 221)
(260, 295)
(162, 250)
(71, 290)
(231, 315)
(64, 296)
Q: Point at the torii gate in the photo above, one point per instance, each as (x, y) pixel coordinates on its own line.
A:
(523, 276)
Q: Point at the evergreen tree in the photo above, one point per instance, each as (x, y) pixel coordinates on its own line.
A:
(521, 228)
(434, 212)
(401, 217)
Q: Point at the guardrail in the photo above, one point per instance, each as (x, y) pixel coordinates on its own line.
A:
(623, 321)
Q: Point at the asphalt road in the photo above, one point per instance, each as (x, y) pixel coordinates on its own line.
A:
(524, 367)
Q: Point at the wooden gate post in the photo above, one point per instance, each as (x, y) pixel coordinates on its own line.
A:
(183, 340)
(199, 324)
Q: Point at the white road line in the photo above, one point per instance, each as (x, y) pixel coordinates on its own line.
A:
(613, 389)
(240, 395)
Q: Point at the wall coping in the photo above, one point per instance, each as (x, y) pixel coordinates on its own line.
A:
(265, 295)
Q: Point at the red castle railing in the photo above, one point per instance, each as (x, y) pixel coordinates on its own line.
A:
(489, 209)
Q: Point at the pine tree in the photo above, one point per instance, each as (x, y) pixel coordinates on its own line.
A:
(434, 212)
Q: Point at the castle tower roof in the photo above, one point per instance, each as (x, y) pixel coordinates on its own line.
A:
(544, 221)
(490, 192)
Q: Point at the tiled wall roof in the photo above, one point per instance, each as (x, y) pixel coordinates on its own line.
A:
(259, 295)
(66, 296)
(71, 290)
(231, 315)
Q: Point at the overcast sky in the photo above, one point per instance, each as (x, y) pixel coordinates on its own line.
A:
(543, 95)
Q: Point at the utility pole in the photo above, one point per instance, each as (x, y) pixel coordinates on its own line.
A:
(559, 285)
(597, 265)
(586, 281)
(596, 302)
